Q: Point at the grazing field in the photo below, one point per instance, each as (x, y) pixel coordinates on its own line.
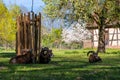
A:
(65, 65)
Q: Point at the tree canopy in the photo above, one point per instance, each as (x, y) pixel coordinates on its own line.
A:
(8, 23)
(82, 9)
(101, 12)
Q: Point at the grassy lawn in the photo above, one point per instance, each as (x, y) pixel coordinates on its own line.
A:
(66, 65)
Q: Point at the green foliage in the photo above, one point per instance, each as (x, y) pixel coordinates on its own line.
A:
(101, 12)
(3, 10)
(82, 9)
(8, 23)
(53, 37)
(65, 65)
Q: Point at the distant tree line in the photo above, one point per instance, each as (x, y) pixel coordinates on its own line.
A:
(8, 24)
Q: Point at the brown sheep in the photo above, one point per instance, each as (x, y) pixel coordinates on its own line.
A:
(45, 55)
(25, 58)
(93, 57)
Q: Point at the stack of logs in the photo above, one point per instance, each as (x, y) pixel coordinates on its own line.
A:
(28, 34)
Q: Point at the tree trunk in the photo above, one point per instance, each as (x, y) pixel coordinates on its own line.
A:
(101, 41)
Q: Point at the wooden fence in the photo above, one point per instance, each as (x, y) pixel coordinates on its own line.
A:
(28, 34)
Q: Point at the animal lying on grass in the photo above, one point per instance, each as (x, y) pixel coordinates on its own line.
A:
(93, 57)
(25, 58)
(45, 55)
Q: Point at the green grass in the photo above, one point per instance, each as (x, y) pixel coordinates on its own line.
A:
(66, 65)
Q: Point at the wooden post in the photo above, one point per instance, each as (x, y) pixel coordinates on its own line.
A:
(36, 36)
(33, 37)
(29, 32)
(18, 37)
(16, 48)
(39, 31)
(21, 31)
(25, 33)
(28, 35)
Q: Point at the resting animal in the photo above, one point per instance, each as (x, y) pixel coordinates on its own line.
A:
(25, 58)
(45, 55)
(93, 57)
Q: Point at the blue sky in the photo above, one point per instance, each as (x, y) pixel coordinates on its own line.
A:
(26, 3)
(37, 7)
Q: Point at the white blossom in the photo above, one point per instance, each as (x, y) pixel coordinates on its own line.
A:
(76, 33)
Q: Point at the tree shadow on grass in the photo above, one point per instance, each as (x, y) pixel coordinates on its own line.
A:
(70, 64)
(62, 68)
(46, 72)
(71, 52)
(113, 52)
(64, 73)
(7, 54)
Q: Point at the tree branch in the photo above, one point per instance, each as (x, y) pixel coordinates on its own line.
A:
(95, 18)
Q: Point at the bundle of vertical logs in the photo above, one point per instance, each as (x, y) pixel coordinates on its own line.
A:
(28, 34)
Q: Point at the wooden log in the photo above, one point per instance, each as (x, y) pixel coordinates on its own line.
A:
(25, 32)
(18, 37)
(28, 35)
(39, 25)
(29, 32)
(16, 48)
(32, 31)
(21, 31)
(37, 44)
(39, 34)
(36, 35)
(33, 37)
